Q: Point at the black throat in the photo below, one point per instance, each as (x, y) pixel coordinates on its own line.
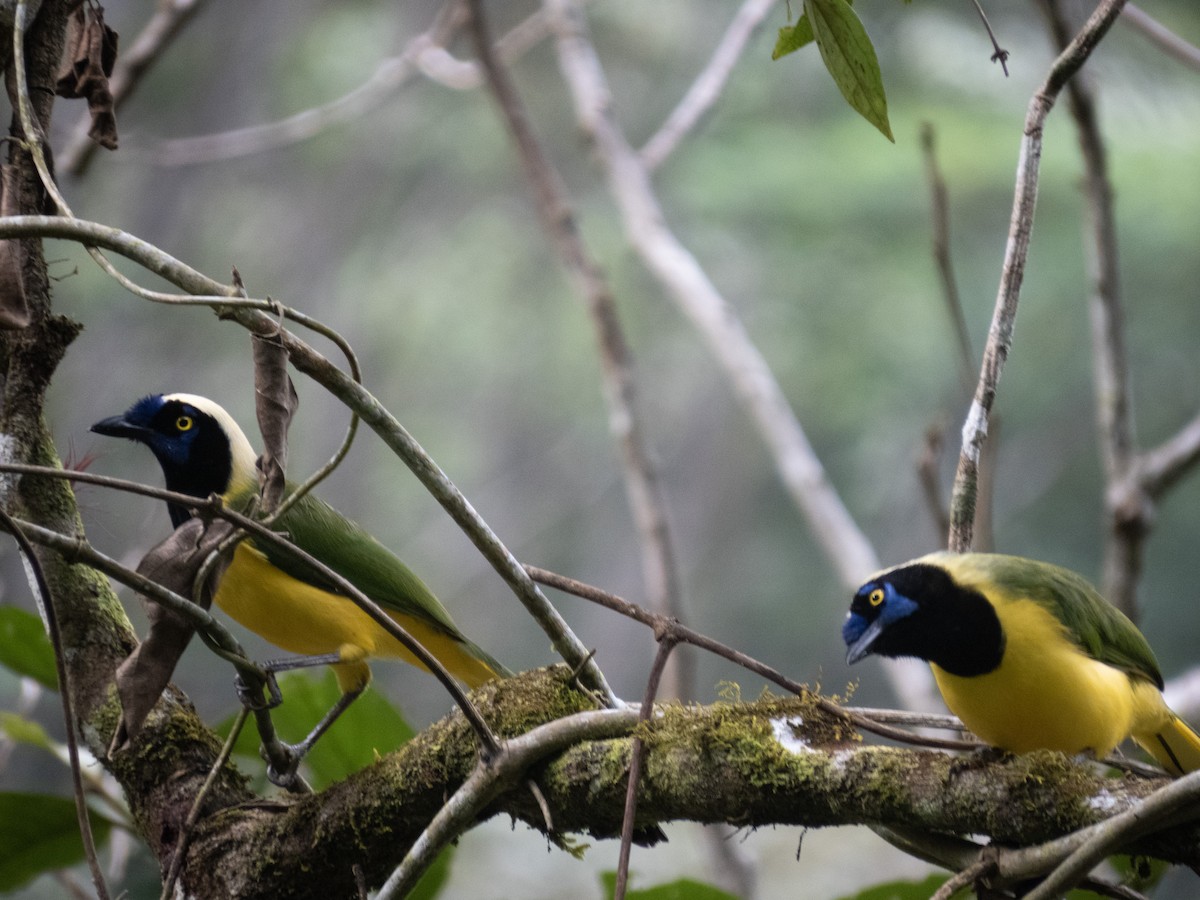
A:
(956, 627)
(207, 470)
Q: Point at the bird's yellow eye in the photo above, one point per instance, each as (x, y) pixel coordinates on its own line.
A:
(184, 423)
(875, 597)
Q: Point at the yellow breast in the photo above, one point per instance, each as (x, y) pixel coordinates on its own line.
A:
(1047, 693)
(309, 621)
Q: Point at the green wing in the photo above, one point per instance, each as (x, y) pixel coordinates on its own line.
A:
(1097, 626)
(344, 546)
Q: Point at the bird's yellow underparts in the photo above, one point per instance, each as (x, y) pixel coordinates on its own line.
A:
(1027, 654)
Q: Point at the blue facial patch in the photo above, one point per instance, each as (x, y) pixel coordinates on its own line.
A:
(853, 627)
(895, 605)
(142, 413)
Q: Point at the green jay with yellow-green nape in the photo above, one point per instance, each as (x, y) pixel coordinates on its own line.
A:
(202, 452)
(1027, 654)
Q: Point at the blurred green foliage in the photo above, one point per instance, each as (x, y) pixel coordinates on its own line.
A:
(39, 833)
(683, 889)
(24, 647)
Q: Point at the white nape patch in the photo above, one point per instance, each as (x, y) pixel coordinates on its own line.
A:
(784, 730)
(243, 453)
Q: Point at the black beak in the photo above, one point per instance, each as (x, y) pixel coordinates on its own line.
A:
(117, 426)
(862, 647)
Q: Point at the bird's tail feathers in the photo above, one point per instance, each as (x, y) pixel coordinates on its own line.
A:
(499, 670)
(1176, 746)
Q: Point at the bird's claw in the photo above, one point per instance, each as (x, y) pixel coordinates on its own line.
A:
(252, 698)
(980, 757)
(283, 772)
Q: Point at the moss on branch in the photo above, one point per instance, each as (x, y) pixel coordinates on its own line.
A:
(775, 761)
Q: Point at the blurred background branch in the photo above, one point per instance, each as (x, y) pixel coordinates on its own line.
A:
(643, 486)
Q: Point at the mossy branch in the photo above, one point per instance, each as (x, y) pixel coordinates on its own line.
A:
(774, 761)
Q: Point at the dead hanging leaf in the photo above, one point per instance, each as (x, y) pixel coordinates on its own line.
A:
(91, 53)
(14, 310)
(145, 673)
(275, 402)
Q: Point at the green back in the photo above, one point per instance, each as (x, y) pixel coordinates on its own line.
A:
(1094, 624)
(344, 546)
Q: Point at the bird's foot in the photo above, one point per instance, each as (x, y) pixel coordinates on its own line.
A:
(283, 766)
(985, 755)
(252, 698)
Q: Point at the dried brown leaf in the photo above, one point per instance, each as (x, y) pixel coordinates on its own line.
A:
(91, 53)
(275, 402)
(145, 673)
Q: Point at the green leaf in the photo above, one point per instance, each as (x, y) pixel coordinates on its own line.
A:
(371, 727)
(683, 889)
(793, 37)
(40, 833)
(902, 890)
(25, 731)
(24, 647)
(1139, 872)
(850, 59)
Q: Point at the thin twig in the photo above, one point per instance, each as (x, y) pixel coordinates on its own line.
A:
(392, 74)
(965, 495)
(1172, 804)
(1166, 40)
(491, 778)
(1162, 466)
(942, 721)
(696, 639)
(964, 878)
(706, 89)
(189, 825)
(1000, 55)
(425, 55)
(440, 66)
(930, 478)
(637, 751)
(201, 290)
(944, 262)
(45, 602)
(1125, 530)
(643, 486)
